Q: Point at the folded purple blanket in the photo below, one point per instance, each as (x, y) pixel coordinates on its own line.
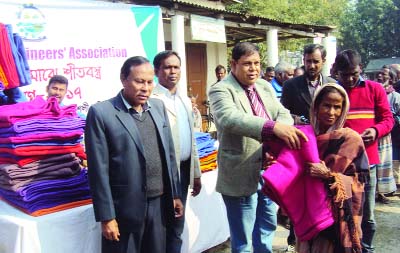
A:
(70, 142)
(38, 108)
(43, 136)
(49, 193)
(29, 125)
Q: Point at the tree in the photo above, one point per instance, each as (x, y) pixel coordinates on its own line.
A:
(372, 28)
(316, 12)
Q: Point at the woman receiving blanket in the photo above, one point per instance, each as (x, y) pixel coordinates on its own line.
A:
(344, 169)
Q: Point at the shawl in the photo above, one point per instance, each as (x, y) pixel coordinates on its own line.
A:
(343, 152)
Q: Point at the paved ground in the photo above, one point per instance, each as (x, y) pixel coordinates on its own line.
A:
(387, 237)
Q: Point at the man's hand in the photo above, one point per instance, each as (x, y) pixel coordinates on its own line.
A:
(178, 208)
(110, 230)
(268, 161)
(289, 134)
(318, 170)
(369, 135)
(196, 187)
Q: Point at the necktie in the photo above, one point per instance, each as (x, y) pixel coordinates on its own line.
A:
(258, 108)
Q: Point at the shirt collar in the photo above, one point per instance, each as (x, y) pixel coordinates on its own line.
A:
(145, 107)
(360, 82)
(318, 82)
(167, 93)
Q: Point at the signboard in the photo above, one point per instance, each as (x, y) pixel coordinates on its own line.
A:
(86, 41)
(207, 29)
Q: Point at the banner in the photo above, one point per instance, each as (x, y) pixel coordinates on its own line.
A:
(207, 29)
(86, 41)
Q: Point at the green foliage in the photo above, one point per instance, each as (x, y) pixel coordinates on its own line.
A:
(316, 12)
(372, 27)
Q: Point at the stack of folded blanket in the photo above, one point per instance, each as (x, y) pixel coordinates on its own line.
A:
(207, 151)
(40, 156)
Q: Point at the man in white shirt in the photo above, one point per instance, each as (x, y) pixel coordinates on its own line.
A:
(167, 66)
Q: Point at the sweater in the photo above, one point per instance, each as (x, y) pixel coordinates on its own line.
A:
(369, 107)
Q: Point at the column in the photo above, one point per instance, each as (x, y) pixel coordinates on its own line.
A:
(178, 45)
(272, 47)
(329, 43)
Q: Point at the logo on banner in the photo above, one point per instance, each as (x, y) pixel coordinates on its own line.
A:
(31, 23)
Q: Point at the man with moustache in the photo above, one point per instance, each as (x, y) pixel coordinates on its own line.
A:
(57, 87)
(133, 175)
(247, 115)
(297, 93)
(167, 65)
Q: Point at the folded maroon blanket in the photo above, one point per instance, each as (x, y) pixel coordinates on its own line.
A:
(13, 176)
(301, 196)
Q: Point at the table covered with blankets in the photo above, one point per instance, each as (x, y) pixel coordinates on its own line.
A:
(207, 151)
(40, 155)
(45, 201)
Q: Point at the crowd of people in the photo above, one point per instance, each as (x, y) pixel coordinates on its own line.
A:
(352, 118)
(143, 160)
(141, 150)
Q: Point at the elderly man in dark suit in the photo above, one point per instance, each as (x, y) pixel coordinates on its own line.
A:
(297, 93)
(132, 167)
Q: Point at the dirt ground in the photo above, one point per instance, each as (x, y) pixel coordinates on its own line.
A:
(387, 237)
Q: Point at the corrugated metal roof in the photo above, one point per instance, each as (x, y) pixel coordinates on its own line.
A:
(255, 26)
(375, 65)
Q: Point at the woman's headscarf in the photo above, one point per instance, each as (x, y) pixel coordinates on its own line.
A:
(322, 91)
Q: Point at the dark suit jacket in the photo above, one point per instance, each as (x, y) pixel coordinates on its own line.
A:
(117, 165)
(296, 96)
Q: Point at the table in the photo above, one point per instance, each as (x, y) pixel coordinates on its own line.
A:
(75, 230)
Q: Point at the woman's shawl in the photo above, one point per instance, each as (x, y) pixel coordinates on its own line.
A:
(301, 196)
(344, 154)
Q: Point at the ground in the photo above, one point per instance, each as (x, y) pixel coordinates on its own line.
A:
(386, 239)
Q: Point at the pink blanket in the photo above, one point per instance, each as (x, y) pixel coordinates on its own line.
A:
(302, 197)
(35, 109)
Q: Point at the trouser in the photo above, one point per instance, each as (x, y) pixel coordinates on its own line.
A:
(175, 229)
(252, 221)
(149, 238)
(368, 224)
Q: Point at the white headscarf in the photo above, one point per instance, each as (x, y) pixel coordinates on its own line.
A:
(345, 109)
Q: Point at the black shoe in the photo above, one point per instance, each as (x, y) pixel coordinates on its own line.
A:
(383, 199)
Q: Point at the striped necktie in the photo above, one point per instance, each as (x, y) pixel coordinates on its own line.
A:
(256, 105)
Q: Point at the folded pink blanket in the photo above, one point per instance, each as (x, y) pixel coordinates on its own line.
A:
(35, 109)
(302, 197)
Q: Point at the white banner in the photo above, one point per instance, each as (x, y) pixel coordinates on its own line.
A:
(86, 41)
(207, 29)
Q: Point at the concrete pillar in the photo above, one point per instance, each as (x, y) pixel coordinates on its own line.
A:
(178, 45)
(272, 47)
(329, 43)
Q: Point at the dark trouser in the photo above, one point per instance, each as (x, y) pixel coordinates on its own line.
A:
(368, 225)
(175, 229)
(149, 238)
(291, 240)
